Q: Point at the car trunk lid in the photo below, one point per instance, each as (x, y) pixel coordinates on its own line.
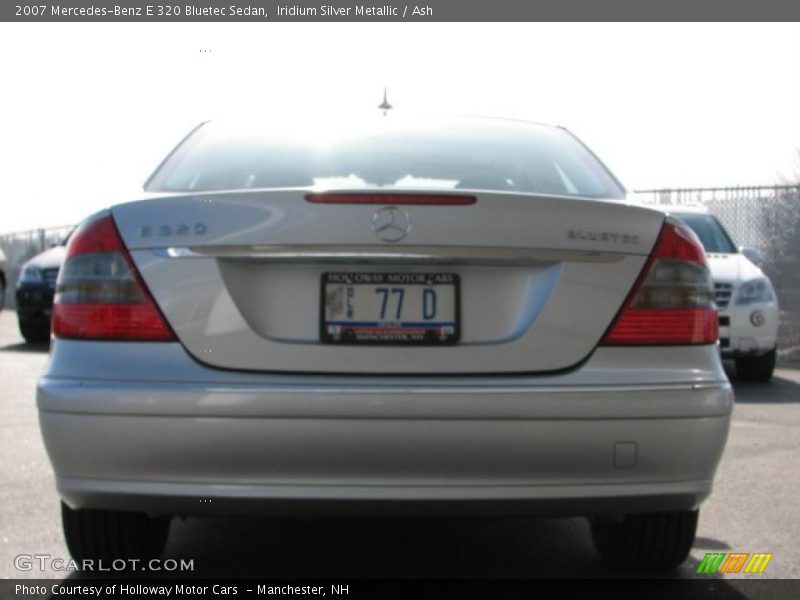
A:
(239, 275)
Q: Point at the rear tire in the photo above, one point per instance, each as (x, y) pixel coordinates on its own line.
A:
(756, 368)
(34, 333)
(650, 541)
(109, 535)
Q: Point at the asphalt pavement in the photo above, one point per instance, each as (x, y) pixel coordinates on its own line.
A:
(753, 508)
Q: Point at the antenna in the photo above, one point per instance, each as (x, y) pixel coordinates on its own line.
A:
(384, 106)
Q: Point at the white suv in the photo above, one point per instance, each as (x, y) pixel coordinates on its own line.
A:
(747, 303)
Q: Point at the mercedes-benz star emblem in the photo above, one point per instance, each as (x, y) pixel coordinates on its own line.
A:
(391, 224)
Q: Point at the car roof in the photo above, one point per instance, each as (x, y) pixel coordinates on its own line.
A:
(351, 121)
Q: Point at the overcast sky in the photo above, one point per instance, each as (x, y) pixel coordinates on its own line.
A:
(88, 110)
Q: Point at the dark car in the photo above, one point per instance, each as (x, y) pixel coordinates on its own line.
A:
(2, 279)
(35, 289)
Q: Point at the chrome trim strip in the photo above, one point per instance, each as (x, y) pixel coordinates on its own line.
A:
(397, 254)
(389, 388)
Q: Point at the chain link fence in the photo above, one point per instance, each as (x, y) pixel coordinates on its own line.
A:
(766, 218)
(19, 247)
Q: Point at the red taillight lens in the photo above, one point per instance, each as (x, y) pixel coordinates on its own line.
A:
(672, 302)
(393, 198)
(100, 294)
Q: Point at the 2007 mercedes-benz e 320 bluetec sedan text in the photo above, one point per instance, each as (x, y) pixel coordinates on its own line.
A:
(443, 315)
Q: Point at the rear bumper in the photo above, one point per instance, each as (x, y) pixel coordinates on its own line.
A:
(453, 446)
(565, 467)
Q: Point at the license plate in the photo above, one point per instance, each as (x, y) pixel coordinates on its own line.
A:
(390, 308)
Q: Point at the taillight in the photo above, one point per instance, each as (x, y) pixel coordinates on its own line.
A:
(100, 294)
(672, 302)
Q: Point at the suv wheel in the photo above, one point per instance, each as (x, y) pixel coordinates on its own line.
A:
(109, 535)
(651, 541)
(756, 368)
(34, 333)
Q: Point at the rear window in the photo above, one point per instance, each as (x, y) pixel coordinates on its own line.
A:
(712, 235)
(390, 153)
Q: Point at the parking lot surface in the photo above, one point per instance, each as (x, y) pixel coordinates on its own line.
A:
(753, 508)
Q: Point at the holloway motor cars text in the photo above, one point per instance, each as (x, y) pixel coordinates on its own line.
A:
(164, 591)
(233, 10)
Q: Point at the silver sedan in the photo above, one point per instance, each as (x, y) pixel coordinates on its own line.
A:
(391, 313)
